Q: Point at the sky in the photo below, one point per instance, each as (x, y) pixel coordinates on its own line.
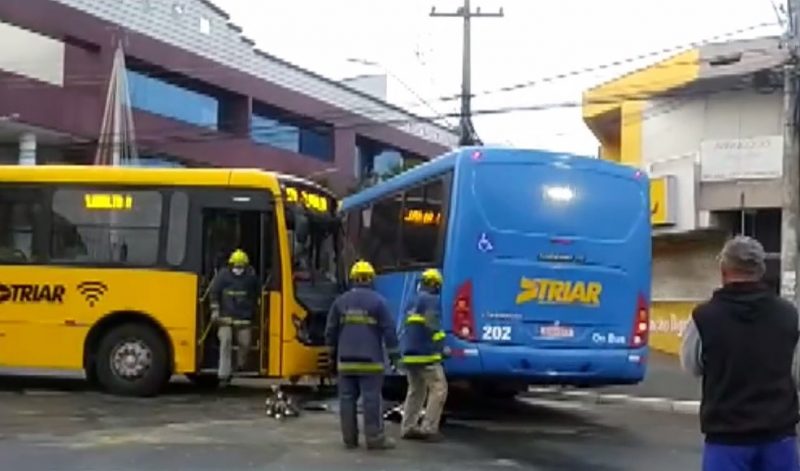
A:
(536, 39)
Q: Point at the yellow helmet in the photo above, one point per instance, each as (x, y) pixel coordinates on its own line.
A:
(239, 258)
(432, 277)
(362, 271)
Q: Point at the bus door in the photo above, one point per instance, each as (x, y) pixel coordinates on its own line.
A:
(225, 229)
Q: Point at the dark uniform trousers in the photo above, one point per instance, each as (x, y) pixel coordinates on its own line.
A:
(368, 387)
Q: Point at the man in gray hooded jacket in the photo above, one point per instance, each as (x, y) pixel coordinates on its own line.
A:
(743, 344)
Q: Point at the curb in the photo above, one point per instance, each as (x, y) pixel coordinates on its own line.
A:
(659, 404)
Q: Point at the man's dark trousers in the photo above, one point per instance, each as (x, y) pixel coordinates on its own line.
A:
(777, 455)
(369, 387)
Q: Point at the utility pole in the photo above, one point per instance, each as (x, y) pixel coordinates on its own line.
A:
(790, 278)
(467, 134)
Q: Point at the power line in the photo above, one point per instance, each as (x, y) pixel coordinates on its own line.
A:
(377, 115)
(625, 61)
(468, 135)
(213, 136)
(174, 76)
(348, 114)
(422, 100)
(779, 13)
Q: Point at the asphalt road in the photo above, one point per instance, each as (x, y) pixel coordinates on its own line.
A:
(664, 379)
(60, 425)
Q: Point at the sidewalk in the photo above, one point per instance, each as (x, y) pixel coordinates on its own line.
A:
(664, 378)
(666, 388)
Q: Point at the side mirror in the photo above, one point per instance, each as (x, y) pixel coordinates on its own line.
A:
(301, 329)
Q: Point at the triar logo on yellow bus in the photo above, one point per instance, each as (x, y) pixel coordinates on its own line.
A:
(551, 291)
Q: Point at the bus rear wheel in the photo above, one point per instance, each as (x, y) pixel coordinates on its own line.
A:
(132, 360)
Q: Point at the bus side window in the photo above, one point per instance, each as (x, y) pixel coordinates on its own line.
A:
(422, 221)
(101, 226)
(178, 227)
(381, 241)
(22, 230)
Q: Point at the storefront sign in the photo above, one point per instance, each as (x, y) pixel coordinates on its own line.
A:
(668, 319)
(741, 159)
(662, 201)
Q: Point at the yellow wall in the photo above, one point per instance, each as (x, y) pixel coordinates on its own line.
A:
(631, 133)
(610, 151)
(620, 104)
(667, 320)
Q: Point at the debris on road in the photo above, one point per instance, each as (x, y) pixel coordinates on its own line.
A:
(279, 405)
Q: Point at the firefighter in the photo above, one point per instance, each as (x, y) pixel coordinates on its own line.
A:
(360, 332)
(422, 353)
(234, 299)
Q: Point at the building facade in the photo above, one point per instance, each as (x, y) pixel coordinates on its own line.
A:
(202, 94)
(707, 126)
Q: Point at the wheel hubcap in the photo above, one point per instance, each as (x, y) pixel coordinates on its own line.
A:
(131, 359)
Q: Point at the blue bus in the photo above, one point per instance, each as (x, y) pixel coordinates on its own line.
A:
(545, 256)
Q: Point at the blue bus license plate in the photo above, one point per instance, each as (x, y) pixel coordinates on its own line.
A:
(556, 332)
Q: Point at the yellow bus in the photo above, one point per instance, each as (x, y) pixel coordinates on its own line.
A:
(107, 269)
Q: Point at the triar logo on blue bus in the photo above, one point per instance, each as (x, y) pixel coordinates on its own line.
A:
(552, 291)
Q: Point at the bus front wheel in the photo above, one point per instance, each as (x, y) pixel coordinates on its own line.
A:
(132, 360)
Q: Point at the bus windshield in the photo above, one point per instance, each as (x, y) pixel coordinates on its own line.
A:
(314, 234)
(315, 250)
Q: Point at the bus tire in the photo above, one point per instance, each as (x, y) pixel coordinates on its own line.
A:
(132, 360)
(91, 375)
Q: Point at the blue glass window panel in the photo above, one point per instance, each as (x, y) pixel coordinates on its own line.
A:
(165, 99)
(316, 144)
(274, 133)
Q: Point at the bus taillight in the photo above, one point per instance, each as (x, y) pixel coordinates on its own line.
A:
(641, 326)
(463, 320)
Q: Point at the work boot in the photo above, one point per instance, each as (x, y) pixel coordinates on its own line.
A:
(383, 444)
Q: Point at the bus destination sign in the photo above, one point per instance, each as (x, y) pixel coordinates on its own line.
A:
(108, 202)
(422, 217)
(308, 199)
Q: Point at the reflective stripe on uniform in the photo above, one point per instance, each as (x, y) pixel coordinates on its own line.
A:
(422, 359)
(361, 367)
(438, 336)
(359, 319)
(416, 319)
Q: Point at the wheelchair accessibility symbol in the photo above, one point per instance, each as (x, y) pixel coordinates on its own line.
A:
(484, 244)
